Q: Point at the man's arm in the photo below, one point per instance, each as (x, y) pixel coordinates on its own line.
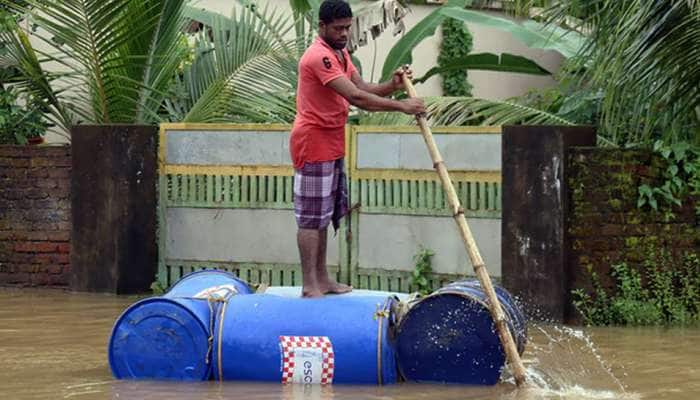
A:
(380, 89)
(371, 102)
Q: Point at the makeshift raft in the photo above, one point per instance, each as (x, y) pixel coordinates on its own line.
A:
(210, 325)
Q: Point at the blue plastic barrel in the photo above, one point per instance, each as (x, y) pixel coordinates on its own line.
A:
(162, 338)
(167, 337)
(333, 339)
(449, 336)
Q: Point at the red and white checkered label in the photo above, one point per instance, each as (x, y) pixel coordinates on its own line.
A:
(307, 359)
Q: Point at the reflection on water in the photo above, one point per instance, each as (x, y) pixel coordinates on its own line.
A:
(53, 345)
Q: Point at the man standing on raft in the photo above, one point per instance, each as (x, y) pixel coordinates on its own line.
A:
(328, 83)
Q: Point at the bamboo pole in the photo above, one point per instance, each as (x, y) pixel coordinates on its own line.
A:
(479, 268)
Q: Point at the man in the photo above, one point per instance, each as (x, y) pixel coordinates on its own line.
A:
(328, 83)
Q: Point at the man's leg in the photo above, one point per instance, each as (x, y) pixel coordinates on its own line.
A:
(326, 284)
(308, 241)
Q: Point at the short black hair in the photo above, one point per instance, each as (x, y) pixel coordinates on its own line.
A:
(334, 9)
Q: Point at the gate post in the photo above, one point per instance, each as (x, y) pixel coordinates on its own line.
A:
(534, 224)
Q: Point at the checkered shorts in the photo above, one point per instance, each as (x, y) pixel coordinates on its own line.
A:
(320, 194)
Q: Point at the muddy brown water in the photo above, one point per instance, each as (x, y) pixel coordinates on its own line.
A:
(53, 345)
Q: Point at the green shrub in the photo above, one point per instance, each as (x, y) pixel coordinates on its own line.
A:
(18, 123)
(681, 177)
(456, 43)
(666, 294)
(423, 270)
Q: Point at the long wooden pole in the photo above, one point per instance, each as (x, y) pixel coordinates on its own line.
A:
(479, 268)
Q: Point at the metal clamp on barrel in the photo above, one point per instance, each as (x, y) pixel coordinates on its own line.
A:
(379, 315)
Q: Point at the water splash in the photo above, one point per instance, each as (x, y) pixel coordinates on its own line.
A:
(564, 363)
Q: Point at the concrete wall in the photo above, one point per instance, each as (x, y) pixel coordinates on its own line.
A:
(236, 235)
(474, 152)
(390, 241)
(488, 85)
(222, 148)
(386, 239)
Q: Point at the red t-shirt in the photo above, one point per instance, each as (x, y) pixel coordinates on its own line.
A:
(319, 127)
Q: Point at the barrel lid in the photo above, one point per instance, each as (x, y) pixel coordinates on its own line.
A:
(159, 338)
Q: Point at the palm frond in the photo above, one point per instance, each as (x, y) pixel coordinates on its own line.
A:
(446, 111)
(243, 70)
(645, 57)
(459, 111)
(123, 53)
(32, 79)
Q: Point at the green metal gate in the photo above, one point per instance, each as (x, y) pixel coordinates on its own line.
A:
(225, 202)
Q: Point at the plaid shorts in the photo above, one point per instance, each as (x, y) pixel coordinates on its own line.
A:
(320, 194)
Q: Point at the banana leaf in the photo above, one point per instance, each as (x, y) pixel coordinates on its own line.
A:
(531, 33)
(488, 62)
(400, 54)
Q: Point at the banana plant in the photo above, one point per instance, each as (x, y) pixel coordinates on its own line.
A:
(533, 34)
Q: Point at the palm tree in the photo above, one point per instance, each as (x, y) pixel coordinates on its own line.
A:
(125, 62)
(244, 69)
(645, 57)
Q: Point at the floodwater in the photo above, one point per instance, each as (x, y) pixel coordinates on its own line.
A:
(53, 345)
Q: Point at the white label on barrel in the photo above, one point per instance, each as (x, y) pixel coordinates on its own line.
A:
(307, 359)
(217, 292)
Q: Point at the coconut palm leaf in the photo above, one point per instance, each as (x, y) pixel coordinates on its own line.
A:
(645, 56)
(121, 54)
(458, 111)
(32, 79)
(472, 111)
(243, 71)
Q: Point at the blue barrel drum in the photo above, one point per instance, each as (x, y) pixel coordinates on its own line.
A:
(449, 336)
(168, 337)
(201, 328)
(334, 339)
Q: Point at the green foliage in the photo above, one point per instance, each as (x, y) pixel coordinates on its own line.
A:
(665, 293)
(638, 53)
(533, 34)
(12, 6)
(8, 70)
(681, 177)
(486, 62)
(243, 70)
(423, 270)
(457, 42)
(570, 99)
(119, 58)
(18, 123)
(157, 288)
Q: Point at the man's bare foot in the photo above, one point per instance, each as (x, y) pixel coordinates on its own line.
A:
(335, 288)
(311, 292)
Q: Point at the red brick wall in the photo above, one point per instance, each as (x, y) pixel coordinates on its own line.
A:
(35, 215)
(605, 225)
